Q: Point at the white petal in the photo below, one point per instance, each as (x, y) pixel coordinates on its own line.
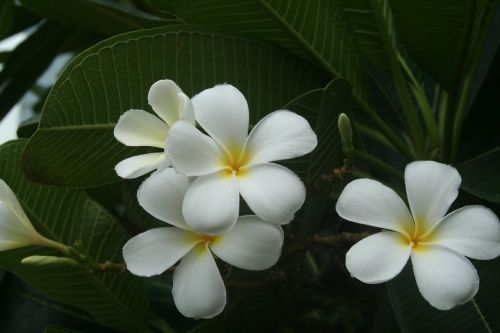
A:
(198, 289)
(8, 196)
(154, 251)
(161, 195)
(140, 128)
(192, 152)
(211, 204)
(13, 232)
(223, 112)
(272, 192)
(139, 165)
(379, 257)
(187, 109)
(431, 188)
(444, 277)
(251, 244)
(473, 231)
(280, 135)
(164, 99)
(369, 202)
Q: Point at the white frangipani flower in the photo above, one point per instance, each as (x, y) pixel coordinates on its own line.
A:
(141, 128)
(198, 288)
(231, 162)
(436, 243)
(16, 229)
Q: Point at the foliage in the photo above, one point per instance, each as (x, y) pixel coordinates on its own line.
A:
(417, 79)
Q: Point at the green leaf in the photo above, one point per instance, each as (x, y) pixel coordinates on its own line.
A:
(102, 16)
(414, 314)
(317, 30)
(20, 301)
(28, 61)
(321, 108)
(438, 34)
(68, 215)
(74, 144)
(480, 175)
(6, 12)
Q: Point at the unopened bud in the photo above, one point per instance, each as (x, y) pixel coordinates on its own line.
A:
(345, 130)
(49, 261)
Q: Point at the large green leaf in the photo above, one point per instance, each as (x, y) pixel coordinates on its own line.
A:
(414, 314)
(68, 215)
(316, 30)
(74, 144)
(439, 34)
(480, 175)
(103, 16)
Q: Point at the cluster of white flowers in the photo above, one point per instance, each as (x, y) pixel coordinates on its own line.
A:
(199, 195)
(196, 187)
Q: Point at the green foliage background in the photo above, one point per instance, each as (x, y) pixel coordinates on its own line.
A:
(418, 78)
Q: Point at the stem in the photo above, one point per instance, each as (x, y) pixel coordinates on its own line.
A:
(109, 266)
(455, 85)
(57, 246)
(340, 239)
(423, 102)
(378, 164)
(481, 315)
(375, 135)
(389, 133)
(401, 86)
(460, 115)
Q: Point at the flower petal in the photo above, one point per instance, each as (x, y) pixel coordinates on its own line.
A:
(272, 192)
(223, 112)
(198, 289)
(8, 196)
(251, 244)
(431, 188)
(139, 165)
(14, 233)
(187, 108)
(154, 251)
(444, 277)
(192, 152)
(280, 135)
(369, 202)
(161, 195)
(211, 204)
(164, 99)
(472, 231)
(140, 128)
(379, 257)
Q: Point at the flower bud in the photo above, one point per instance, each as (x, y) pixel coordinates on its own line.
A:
(49, 261)
(345, 131)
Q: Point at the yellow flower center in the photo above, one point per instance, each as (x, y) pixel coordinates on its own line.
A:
(235, 162)
(418, 237)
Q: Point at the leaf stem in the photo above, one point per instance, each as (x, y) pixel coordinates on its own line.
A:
(388, 132)
(391, 53)
(374, 134)
(481, 315)
(423, 103)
